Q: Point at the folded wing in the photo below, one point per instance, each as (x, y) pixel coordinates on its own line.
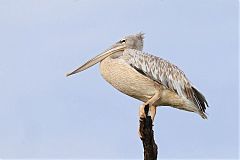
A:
(166, 74)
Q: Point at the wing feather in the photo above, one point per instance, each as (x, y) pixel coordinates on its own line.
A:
(166, 74)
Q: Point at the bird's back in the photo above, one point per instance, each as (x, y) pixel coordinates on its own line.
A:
(166, 74)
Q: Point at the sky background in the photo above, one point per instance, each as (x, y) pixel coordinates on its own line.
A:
(43, 114)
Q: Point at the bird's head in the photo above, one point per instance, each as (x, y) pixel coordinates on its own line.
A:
(128, 42)
(132, 41)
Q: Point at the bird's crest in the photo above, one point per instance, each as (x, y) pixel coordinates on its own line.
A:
(140, 36)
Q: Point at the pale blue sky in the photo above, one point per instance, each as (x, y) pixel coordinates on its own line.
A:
(43, 114)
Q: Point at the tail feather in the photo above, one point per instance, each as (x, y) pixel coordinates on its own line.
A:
(200, 101)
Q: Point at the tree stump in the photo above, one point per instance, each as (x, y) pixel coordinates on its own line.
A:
(145, 130)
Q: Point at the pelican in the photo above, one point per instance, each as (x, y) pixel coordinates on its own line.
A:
(148, 78)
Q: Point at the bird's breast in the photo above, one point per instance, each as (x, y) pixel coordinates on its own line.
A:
(126, 79)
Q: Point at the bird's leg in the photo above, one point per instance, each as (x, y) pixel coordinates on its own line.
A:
(151, 112)
(148, 109)
(152, 108)
(144, 113)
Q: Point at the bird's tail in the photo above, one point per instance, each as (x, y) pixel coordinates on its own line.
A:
(201, 102)
(202, 114)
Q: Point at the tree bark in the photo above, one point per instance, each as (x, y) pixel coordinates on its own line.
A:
(147, 137)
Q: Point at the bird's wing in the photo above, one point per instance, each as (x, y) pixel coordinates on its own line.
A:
(166, 74)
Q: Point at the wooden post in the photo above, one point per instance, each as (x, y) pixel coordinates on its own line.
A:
(149, 145)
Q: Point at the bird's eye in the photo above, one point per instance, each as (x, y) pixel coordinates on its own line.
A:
(123, 41)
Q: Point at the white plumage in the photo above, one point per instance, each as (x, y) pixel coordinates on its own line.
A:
(148, 78)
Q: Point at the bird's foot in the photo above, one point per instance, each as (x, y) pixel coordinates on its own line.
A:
(146, 110)
(146, 117)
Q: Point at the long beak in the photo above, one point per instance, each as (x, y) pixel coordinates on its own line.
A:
(97, 59)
